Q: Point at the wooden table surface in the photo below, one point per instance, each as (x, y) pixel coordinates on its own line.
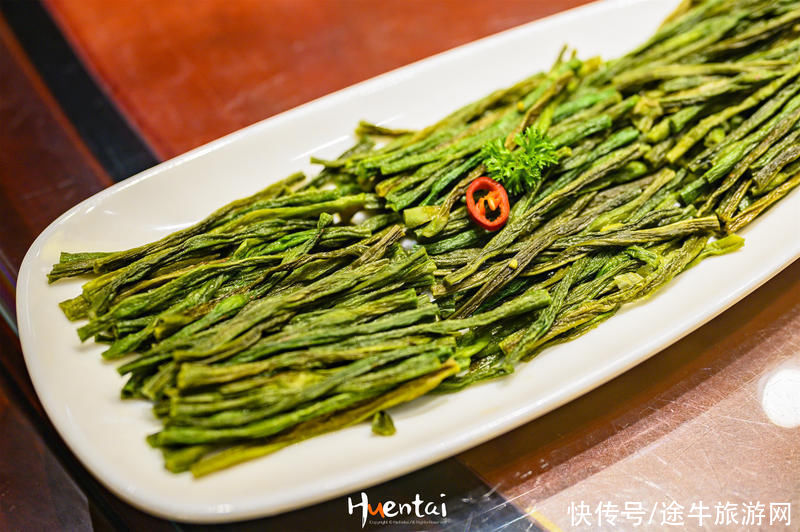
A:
(93, 91)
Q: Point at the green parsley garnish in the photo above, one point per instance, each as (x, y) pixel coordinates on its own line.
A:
(520, 170)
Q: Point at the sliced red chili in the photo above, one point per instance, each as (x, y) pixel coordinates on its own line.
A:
(487, 203)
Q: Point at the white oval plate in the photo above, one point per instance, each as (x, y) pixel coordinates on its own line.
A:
(81, 393)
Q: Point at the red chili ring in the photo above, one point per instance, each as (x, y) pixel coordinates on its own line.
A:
(495, 198)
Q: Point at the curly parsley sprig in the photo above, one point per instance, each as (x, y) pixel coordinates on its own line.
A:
(520, 170)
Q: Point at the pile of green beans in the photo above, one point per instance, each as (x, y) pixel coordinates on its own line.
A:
(279, 318)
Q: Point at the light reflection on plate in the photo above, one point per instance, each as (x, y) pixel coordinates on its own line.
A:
(780, 394)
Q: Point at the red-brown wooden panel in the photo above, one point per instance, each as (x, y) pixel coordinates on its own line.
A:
(186, 72)
(35, 491)
(44, 166)
(44, 170)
